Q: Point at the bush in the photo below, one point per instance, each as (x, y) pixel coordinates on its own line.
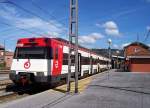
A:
(2, 66)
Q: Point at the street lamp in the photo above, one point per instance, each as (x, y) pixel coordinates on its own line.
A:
(109, 51)
(117, 58)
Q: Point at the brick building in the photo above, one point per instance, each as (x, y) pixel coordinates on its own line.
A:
(1, 53)
(8, 57)
(137, 57)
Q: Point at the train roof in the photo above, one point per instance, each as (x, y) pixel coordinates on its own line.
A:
(64, 42)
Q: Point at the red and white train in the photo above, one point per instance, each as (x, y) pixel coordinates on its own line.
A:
(45, 60)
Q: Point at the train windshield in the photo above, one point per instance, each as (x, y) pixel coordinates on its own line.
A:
(33, 53)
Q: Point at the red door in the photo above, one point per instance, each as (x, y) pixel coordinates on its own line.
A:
(57, 59)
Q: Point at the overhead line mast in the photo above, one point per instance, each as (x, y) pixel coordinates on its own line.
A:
(73, 39)
(147, 35)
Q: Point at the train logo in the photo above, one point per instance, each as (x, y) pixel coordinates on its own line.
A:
(27, 64)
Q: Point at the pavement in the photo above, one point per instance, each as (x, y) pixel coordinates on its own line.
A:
(107, 90)
(36, 101)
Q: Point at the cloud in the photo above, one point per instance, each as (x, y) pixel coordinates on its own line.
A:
(111, 28)
(12, 17)
(98, 25)
(10, 50)
(116, 46)
(126, 12)
(148, 27)
(91, 38)
(147, 1)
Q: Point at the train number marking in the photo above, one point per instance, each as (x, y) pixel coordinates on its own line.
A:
(56, 64)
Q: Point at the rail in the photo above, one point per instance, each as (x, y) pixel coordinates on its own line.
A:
(4, 71)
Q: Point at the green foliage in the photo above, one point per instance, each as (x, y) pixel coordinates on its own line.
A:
(2, 66)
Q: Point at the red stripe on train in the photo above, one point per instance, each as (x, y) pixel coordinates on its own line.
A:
(57, 58)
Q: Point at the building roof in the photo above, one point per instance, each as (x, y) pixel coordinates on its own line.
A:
(138, 56)
(138, 43)
(144, 50)
(8, 53)
(121, 57)
(1, 47)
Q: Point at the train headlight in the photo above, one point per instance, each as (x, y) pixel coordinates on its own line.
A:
(40, 73)
(12, 75)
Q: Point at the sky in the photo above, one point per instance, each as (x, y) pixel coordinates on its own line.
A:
(122, 21)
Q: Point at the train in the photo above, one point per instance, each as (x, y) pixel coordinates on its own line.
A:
(43, 60)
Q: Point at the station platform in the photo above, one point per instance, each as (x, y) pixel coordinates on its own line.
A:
(107, 90)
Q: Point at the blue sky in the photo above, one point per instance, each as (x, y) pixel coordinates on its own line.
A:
(99, 20)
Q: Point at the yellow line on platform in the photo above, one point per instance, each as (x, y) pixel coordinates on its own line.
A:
(82, 84)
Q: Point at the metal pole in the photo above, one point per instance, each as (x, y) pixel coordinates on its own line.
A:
(73, 35)
(76, 50)
(4, 55)
(69, 59)
(109, 52)
(109, 56)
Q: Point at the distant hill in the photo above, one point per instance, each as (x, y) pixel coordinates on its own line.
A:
(105, 53)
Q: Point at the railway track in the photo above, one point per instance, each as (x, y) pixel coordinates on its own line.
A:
(8, 93)
(3, 92)
(4, 84)
(7, 96)
(4, 71)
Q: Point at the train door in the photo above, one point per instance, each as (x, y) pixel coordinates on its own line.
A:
(91, 64)
(57, 59)
(79, 63)
(98, 65)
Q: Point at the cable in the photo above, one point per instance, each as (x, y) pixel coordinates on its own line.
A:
(147, 36)
(21, 29)
(18, 6)
(6, 29)
(28, 31)
(44, 11)
(27, 11)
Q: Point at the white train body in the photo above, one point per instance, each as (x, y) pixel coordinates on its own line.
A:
(45, 60)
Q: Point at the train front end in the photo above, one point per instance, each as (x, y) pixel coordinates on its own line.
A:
(31, 62)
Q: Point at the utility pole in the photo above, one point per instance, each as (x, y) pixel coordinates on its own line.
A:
(73, 39)
(4, 64)
(109, 51)
(147, 35)
(137, 37)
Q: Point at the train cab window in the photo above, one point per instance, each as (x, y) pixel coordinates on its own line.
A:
(49, 53)
(33, 53)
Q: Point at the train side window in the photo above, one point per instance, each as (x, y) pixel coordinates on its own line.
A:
(65, 59)
(49, 54)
